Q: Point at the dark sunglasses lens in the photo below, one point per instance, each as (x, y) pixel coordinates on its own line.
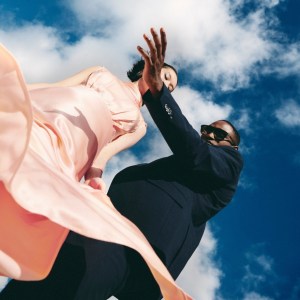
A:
(220, 134)
(206, 128)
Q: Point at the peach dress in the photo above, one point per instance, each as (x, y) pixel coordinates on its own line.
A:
(48, 139)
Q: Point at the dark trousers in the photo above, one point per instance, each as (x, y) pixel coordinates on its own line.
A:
(64, 276)
(88, 269)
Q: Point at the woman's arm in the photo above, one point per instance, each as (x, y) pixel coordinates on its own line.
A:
(121, 143)
(76, 79)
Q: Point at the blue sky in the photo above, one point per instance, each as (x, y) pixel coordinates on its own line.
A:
(237, 59)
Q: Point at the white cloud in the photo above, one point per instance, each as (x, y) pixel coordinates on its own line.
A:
(285, 60)
(50, 58)
(201, 277)
(289, 114)
(38, 57)
(3, 282)
(258, 268)
(291, 59)
(117, 163)
(255, 296)
(271, 3)
(258, 272)
(246, 183)
(224, 52)
(265, 262)
(200, 109)
(157, 148)
(244, 120)
(258, 3)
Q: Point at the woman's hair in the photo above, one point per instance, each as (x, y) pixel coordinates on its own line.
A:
(135, 73)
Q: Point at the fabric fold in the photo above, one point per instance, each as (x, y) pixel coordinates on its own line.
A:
(41, 200)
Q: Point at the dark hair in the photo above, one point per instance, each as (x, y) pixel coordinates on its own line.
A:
(236, 133)
(135, 73)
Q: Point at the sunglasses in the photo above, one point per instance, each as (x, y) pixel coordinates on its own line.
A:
(219, 134)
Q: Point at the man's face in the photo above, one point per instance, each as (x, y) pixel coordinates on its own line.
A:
(218, 133)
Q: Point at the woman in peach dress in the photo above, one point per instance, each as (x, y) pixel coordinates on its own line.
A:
(51, 135)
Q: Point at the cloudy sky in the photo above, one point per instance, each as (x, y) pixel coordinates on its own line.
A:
(237, 59)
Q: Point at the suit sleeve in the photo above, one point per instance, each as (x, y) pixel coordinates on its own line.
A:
(225, 163)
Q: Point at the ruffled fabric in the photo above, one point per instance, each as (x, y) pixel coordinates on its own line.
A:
(41, 197)
(125, 114)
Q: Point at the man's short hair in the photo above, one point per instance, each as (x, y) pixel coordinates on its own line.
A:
(237, 137)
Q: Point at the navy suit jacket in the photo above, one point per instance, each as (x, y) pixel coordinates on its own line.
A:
(171, 199)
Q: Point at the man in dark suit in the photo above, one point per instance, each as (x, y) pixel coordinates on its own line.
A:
(169, 199)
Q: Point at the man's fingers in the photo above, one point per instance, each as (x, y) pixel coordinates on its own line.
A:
(157, 42)
(145, 55)
(163, 38)
(157, 46)
(152, 47)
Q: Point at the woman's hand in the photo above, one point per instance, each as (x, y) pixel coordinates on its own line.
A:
(93, 172)
(94, 180)
(96, 183)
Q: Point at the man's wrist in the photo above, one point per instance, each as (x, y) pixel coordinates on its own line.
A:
(156, 91)
(152, 94)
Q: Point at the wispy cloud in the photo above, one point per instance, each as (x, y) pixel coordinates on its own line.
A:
(258, 272)
(226, 52)
(117, 163)
(247, 183)
(243, 122)
(295, 291)
(3, 282)
(257, 269)
(200, 109)
(202, 276)
(286, 60)
(223, 52)
(289, 114)
(255, 296)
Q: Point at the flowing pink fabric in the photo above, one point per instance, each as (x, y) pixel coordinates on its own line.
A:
(48, 138)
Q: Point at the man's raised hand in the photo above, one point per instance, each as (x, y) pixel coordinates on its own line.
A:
(154, 60)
